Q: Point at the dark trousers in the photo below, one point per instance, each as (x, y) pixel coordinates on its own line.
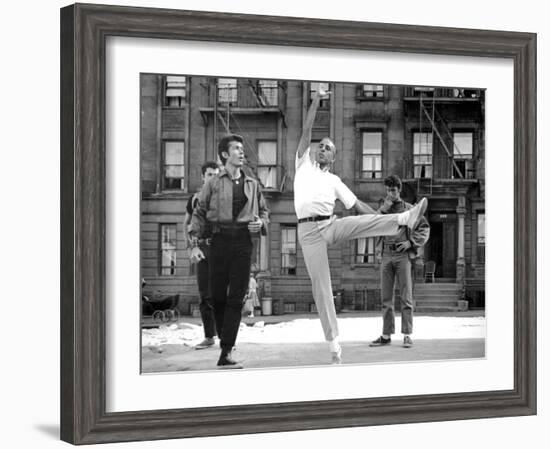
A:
(396, 267)
(230, 255)
(206, 305)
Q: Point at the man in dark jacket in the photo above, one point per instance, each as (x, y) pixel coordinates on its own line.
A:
(231, 204)
(209, 169)
(396, 253)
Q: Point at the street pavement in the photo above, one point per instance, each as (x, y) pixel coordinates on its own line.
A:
(297, 340)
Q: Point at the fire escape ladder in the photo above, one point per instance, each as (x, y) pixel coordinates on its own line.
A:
(258, 94)
(423, 188)
(227, 117)
(224, 122)
(447, 131)
(431, 116)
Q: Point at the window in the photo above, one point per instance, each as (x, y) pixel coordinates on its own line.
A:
(465, 93)
(371, 155)
(424, 91)
(373, 91)
(175, 91)
(168, 249)
(325, 100)
(227, 91)
(174, 165)
(422, 155)
(462, 154)
(269, 92)
(288, 249)
(267, 164)
(365, 250)
(481, 237)
(258, 260)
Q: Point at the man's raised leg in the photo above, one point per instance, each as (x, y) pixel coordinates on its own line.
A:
(364, 226)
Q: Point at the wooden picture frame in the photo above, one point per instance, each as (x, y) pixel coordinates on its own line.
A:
(84, 29)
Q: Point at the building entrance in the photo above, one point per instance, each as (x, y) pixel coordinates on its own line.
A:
(441, 247)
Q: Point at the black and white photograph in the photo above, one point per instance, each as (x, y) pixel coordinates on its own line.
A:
(290, 223)
(372, 272)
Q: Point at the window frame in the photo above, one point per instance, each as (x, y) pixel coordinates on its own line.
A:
(430, 155)
(161, 250)
(480, 248)
(234, 90)
(325, 103)
(462, 162)
(378, 94)
(284, 269)
(274, 88)
(367, 255)
(364, 131)
(274, 166)
(183, 179)
(183, 103)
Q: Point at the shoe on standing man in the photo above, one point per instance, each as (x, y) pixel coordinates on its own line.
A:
(316, 190)
(395, 254)
(209, 169)
(232, 205)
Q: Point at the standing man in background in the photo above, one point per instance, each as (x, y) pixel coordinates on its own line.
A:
(209, 170)
(396, 253)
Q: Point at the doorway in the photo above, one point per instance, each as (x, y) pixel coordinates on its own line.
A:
(441, 247)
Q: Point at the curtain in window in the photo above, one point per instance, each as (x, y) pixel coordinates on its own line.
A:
(422, 150)
(288, 249)
(168, 249)
(267, 164)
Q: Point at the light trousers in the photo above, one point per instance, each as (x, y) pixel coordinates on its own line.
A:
(396, 267)
(316, 236)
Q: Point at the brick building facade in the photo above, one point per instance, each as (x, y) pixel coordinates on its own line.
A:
(433, 138)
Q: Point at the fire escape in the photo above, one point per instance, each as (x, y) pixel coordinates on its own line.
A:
(231, 103)
(439, 128)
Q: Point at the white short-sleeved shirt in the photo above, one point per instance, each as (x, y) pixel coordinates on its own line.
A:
(316, 190)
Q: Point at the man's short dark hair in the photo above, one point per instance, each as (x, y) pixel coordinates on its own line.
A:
(209, 164)
(393, 181)
(224, 144)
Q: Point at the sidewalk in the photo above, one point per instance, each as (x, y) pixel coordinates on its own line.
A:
(148, 322)
(296, 340)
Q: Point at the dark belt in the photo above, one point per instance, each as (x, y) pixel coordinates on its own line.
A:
(229, 231)
(204, 242)
(316, 218)
(391, 246)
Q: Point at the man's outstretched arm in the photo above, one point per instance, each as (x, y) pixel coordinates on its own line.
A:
(364, 208)
(305, 138)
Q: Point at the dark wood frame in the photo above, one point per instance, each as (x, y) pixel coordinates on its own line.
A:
(84, 29)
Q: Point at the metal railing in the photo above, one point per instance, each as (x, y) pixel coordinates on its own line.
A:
(438, 167)
(249, 95)
(439, 92)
